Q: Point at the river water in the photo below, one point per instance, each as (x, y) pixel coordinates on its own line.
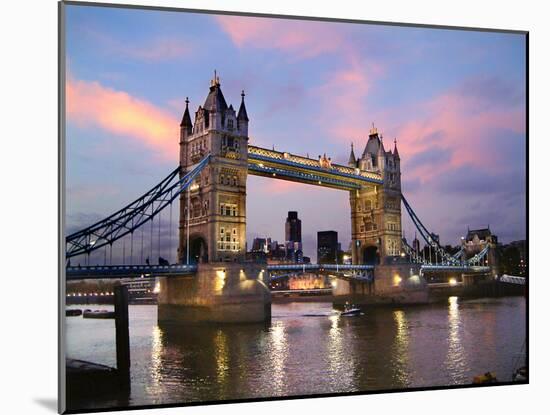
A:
(309, 349)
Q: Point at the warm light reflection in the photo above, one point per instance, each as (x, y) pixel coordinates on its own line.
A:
(452, 281)
(219, 282)
(456, 359)
(340, 359)
(156, 355)
(222, 355)
(401, 347)
(279, 354)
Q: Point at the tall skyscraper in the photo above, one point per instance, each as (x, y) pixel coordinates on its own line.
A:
(327, 247)
(293, 237)
(293, 228)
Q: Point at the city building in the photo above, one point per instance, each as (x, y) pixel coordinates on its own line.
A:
(513, 258)
(416, 245)
(261, 245)
(327, 247)
(293, 237)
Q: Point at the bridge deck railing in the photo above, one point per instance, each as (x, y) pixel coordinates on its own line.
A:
(263, 154)
(119, 271)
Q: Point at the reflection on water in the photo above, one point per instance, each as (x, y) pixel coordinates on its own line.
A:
(401, 348)
(456, 361)
(310, 349)
(278, 350)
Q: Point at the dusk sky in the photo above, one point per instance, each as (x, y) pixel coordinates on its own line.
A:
(454, 100)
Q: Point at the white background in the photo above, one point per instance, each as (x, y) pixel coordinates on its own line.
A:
(28, 221)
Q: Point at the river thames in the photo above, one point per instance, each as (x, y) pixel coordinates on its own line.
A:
(309, 349)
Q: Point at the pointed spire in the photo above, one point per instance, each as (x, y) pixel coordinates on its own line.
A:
(373, 130)
(242, 109)
(381, 149)
(352, 160)
(395, 152)
(186, 119)
(215, 101)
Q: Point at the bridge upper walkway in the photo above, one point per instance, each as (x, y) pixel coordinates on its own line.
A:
(287, 166)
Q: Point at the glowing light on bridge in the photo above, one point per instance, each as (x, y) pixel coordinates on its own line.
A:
(396, 280)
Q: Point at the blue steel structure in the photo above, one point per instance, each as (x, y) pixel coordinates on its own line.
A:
(261, 162)
(286, 166)
(131, 217)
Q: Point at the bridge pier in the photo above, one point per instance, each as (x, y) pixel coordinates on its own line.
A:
(393, 284)
(477, 285)
(222, 292)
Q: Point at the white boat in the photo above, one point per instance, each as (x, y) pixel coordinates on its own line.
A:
(350, 310)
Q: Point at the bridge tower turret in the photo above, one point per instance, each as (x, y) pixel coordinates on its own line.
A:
(217, 197)
(186, 127)
(376, 210)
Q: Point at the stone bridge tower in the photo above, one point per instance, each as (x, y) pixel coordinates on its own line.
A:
(217, 208)
(376, 210)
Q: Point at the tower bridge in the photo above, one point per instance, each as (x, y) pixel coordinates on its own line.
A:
(215, 158)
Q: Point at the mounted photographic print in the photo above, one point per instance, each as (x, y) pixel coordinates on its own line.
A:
(261, 207)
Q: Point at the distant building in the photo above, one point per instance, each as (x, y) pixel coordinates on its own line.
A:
(261, 245)
(293, 237)
(476, 240)
(293, 228)
(513, 258)
(327, 247)
(416, 245)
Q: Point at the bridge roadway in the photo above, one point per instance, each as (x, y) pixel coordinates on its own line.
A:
(136, 271)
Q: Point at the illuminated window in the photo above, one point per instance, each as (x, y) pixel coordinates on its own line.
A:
(228, 209)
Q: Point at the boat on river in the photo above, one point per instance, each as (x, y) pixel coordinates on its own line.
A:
(73, 312)
(350, 310)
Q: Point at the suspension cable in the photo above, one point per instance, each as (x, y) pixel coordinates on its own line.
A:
(132, 216)
(160, 224)
(132, 248)
(142, 232)
(151, 243)
(170, 238)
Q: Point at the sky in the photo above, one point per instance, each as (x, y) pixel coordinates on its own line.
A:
(454, 101)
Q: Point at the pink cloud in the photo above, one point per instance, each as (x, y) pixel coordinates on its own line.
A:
(342, 96)
(343, 100)
(90, 104)
(301, 38)
(458, 124)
